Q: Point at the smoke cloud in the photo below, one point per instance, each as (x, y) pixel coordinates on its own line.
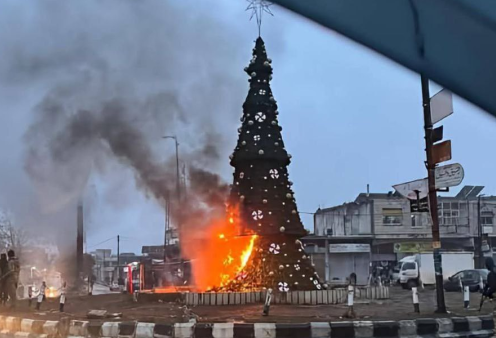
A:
(106, 80)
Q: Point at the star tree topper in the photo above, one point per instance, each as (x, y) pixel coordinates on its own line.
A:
(257, 8)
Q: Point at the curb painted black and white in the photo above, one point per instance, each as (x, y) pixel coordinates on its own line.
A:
(476, 327)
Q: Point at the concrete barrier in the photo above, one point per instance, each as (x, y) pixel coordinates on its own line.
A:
(473, 326)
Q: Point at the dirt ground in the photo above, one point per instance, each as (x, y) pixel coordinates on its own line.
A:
(398, 307)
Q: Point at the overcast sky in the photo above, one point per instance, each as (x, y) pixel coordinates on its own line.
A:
(350, 117)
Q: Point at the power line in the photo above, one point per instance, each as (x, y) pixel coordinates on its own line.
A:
(105, 241)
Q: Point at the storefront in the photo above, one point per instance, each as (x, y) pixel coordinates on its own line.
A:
(349, 258)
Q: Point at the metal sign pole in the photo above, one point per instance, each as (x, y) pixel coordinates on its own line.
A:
(431, 170)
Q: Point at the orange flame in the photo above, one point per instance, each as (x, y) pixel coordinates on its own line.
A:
(218, 254)
(247, 253)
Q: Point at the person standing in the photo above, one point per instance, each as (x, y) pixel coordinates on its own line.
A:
(12, 278)
(63, 291)
(4, 269)
(41, 295)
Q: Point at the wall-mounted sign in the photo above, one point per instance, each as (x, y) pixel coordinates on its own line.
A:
(412, 247)
(344, 248)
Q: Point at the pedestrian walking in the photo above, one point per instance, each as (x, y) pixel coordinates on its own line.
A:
(41, 295)
(12, 279)
(4, 269)
(490, 286)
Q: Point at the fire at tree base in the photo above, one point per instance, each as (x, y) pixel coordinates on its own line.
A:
(257, 245)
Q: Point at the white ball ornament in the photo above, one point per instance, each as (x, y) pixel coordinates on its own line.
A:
(253, 74)
(243, 143)
(295, 283)
(281, 267)
(274, 123)
(282, 229)
(260, 152)
(294, 212)
(288, 195)
(271, 273)
(231, 157)
(250, 122)
(264, 201)
(266, 63)
(242, 197)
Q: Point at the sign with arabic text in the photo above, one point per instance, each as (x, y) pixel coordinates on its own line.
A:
(449, 175)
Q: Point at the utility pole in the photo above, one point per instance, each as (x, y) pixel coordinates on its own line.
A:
(79, 243)
(431, 170)
(118, 259)
(480, 234)
(167, 222)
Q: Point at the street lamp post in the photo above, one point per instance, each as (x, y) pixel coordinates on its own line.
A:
(178, 190)
(178, 184)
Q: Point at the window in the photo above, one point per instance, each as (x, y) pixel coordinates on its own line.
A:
(416, 220)
(469, 274)
(392, 216)
(487, 218)
(409, 266)
(457, 276)
(449, 213)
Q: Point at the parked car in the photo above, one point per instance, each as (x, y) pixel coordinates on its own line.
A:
(471, 278)
(114, 287)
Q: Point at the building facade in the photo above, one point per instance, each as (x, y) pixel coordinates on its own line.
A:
(369, 235)
(106, 268)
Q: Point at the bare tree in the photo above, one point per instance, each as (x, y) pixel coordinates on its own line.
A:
(11, 236)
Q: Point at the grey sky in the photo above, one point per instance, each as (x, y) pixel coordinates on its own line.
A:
(350, 117)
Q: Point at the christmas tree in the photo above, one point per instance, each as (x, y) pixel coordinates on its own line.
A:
(261, 200)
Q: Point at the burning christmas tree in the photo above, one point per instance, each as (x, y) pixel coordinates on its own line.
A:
(261, 201)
